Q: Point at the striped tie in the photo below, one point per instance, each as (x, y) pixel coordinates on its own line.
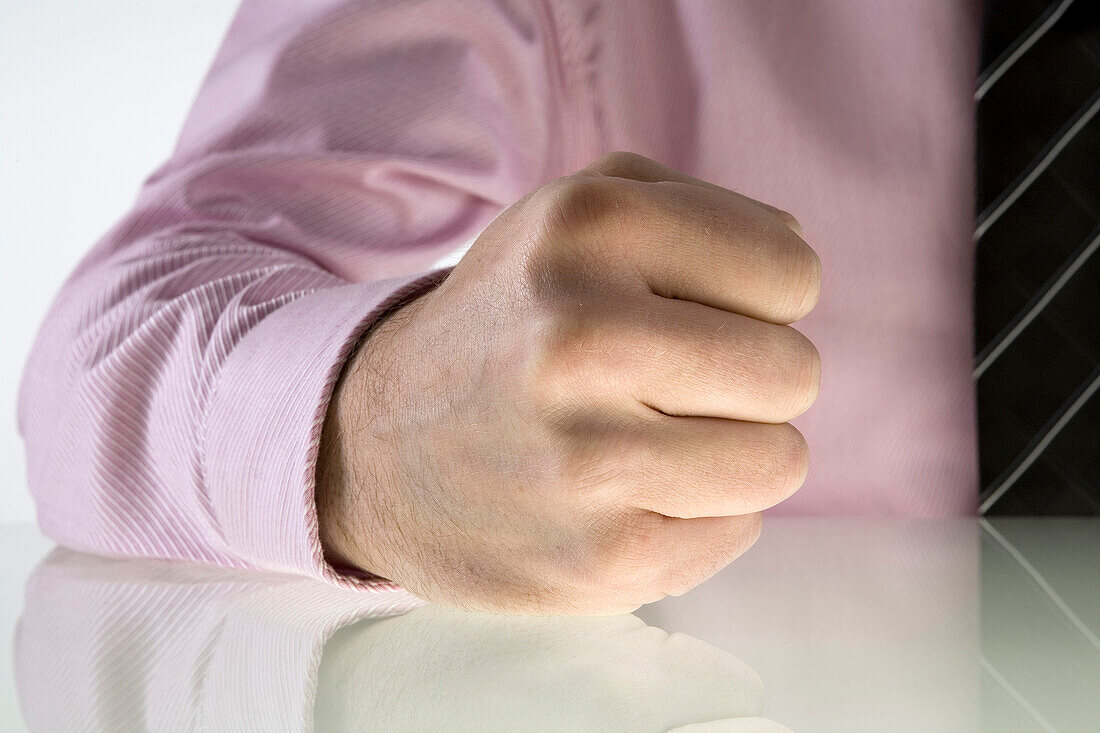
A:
(1037, 297)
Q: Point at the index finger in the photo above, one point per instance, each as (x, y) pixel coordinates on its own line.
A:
(707, 244)
(640, 168)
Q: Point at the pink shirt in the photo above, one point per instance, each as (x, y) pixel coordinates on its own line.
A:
(173, 402)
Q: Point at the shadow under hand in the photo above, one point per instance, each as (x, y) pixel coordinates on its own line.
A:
(109, 644)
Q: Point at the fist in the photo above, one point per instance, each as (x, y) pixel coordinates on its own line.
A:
(591, 411)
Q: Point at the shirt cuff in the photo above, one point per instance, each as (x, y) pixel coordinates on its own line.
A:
(265, 418)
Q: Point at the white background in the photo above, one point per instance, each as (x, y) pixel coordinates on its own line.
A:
(92, 96)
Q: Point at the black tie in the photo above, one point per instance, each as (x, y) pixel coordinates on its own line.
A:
(1037, 298)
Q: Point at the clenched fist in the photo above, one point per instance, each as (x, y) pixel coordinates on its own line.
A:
(591, 411)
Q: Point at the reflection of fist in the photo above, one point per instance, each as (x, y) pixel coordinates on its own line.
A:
(590, 412)
(436, 669)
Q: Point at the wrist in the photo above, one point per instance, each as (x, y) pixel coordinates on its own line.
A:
(350, 488)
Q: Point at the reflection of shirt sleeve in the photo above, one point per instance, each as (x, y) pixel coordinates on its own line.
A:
(185, 648)
(173, 402)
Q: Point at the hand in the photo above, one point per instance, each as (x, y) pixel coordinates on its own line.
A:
(591, 411)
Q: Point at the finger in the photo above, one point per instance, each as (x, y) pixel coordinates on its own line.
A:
(694, 550)
(687, 242)
(706, 246)
(725, 365)
(641, 168)
(686, 359)
(706, 467)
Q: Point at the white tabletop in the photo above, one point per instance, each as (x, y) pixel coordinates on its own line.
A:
(826, 624)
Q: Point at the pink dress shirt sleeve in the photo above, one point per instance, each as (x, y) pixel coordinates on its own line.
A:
(173, 401)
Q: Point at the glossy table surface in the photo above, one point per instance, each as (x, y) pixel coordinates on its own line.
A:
(825, 625)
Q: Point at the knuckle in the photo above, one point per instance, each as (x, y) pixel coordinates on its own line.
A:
(579, 350)
(565, 337)
(579, 207)
(618, 162)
